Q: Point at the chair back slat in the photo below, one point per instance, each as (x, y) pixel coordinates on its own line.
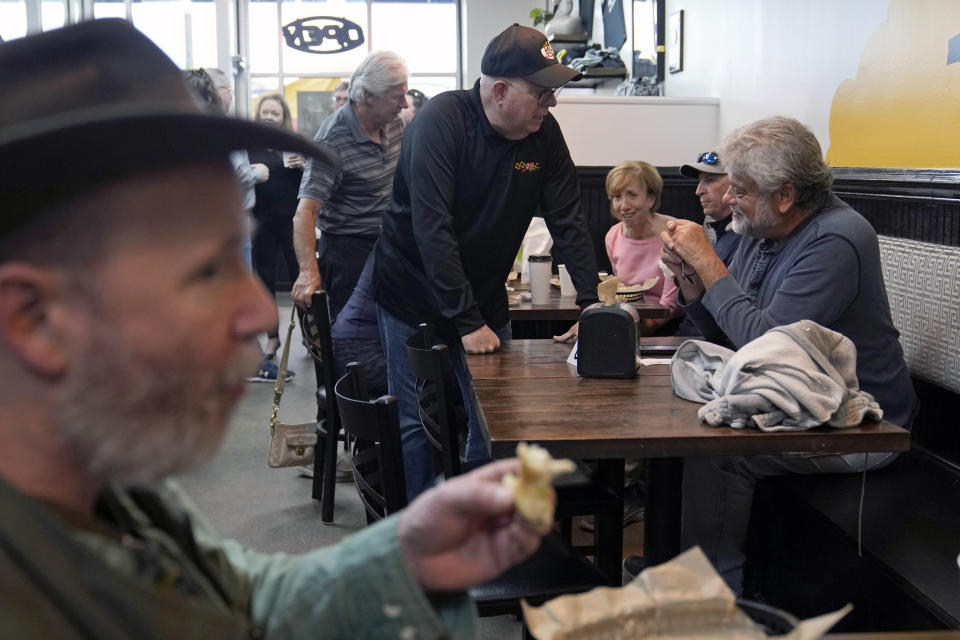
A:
(315, 326)
(377, 459)
(430, 363)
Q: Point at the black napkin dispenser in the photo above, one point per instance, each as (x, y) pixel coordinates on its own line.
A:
(608, 341)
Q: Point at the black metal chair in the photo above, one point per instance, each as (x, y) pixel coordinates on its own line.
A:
(577, 495)
(442, 423)
(373, 425)
(315, 324)
(374, 429)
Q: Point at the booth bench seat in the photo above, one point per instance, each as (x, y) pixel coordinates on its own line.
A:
(803, 548)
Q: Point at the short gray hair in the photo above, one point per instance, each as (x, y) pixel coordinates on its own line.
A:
(378, 72)
(220, 79)
(775, 151)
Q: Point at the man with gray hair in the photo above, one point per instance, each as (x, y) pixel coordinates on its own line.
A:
(347, 201)
(805, 254)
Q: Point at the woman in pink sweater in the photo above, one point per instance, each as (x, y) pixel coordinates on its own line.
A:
(633, 244)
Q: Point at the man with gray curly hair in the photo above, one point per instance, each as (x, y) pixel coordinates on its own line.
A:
(805, 255)
(347, 201)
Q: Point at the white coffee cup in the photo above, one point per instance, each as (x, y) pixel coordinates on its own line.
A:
(566, 284)
(540, 278)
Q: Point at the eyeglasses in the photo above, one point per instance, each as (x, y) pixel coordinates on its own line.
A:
(709, 157)
(542, 97)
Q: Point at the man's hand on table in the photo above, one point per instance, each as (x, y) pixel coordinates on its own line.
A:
(570, 335)
(482, 340)
(465, 532)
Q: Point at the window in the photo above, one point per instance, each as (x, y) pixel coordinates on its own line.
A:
(13, 19)
(186, 31)
(423, 32)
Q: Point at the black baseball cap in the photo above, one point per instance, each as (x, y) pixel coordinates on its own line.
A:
(523, 52)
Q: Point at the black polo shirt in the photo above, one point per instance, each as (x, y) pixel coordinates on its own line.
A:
(463, 196)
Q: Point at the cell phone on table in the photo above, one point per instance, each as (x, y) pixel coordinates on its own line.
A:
(658, 350)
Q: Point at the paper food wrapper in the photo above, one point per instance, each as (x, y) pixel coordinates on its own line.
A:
(683, 598)
(607, 290)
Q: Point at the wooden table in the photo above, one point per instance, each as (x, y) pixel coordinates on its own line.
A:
(528, 393)
(565, 308)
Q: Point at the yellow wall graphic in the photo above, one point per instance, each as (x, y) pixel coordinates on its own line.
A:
(903, 108)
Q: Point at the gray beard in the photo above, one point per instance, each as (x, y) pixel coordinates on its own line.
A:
(127, 420)
(763, 221)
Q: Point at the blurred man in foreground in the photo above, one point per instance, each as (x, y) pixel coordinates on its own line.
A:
(127, 326)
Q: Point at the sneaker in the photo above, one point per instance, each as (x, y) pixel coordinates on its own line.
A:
(632, 512)
(344, 471)
(305, 470)
(634, 565)
(268, 373)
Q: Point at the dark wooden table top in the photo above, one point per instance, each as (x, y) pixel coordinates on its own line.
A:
(565, 308)
(528, 392)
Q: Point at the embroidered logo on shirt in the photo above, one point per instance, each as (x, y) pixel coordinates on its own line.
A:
(547, 51)
(526, 167)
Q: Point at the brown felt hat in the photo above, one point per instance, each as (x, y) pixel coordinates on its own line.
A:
(98, 101)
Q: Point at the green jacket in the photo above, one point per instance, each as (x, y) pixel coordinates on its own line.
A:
(159, 571)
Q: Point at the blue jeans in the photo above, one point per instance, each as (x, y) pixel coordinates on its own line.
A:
(418, 460)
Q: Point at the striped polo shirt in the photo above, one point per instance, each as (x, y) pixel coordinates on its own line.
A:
(355, 194)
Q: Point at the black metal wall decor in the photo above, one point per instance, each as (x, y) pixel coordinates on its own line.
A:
(323, 34)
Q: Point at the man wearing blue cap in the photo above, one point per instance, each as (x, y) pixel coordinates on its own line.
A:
(475, 167)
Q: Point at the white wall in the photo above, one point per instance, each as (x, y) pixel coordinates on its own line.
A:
(666, 132)
(482, 20)
(772, 57)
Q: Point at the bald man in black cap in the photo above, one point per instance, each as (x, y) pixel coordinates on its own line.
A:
(127, 326)
(475, 167)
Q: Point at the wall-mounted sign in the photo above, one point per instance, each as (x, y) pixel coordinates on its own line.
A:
(323, 34)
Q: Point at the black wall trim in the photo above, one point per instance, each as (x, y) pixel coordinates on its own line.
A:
(917, 204)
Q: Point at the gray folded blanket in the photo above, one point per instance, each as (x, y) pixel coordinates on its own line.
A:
(792, 378)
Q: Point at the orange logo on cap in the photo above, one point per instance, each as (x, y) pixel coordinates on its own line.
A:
(547, 51)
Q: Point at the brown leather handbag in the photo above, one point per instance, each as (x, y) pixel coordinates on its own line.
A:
(291, 445)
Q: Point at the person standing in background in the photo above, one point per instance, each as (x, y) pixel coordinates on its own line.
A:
(347, 201)
(476, 166)
(415, 100)
(341, 94)
(273, 215)
(248, 175)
